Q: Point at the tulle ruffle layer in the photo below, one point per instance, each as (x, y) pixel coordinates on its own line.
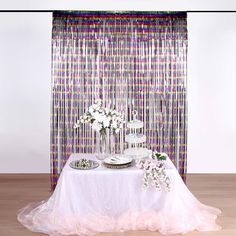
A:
(40, 218)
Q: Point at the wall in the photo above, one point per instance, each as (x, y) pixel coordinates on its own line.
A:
(25, 61)
(211, 92)
(25, 102)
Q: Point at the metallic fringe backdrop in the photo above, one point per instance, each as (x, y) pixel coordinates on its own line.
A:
(131, 60)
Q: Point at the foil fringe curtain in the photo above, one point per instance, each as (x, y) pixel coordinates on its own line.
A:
(131, 60)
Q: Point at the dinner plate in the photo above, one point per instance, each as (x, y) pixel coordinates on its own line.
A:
(118, 160)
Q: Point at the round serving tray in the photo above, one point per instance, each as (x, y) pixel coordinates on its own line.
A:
(92, 165)
(118, 166)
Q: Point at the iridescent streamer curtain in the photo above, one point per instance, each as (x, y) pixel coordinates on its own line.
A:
(130, 60)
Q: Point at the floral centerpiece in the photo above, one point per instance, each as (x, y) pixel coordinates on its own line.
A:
(102, 120)
(154, 171)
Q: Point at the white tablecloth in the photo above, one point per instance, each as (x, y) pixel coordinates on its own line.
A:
(111, 200)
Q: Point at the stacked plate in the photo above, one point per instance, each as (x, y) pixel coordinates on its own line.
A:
(118, 161)
(138, 152)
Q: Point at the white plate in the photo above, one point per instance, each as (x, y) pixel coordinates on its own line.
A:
(118, 160)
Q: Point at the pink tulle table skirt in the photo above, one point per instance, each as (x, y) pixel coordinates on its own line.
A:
(105, 200)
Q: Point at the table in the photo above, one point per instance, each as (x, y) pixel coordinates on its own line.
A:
(87, 202)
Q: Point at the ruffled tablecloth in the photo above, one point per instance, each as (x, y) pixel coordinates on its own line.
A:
(87, 202)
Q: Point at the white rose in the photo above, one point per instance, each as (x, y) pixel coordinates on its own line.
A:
(114, 125)
(119, 118)
(91, 110)
(106, 110)
(96, 126)
(108, 118)
(96, 115)
(99, 117)
(106, 123)
(76, 126)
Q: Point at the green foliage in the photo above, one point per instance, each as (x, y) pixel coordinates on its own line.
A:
(160, 156)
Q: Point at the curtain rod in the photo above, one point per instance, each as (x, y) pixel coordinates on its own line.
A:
(122, 14)
(187, 11)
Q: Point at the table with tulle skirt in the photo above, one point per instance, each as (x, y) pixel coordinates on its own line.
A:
(87, 202)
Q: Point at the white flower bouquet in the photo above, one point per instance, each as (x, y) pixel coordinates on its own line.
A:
(102, 119)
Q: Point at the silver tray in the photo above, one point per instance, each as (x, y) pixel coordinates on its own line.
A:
(92, 165)
(118, 166)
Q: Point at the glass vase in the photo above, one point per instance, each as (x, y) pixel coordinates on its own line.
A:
(102, 146)
(112, 146)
